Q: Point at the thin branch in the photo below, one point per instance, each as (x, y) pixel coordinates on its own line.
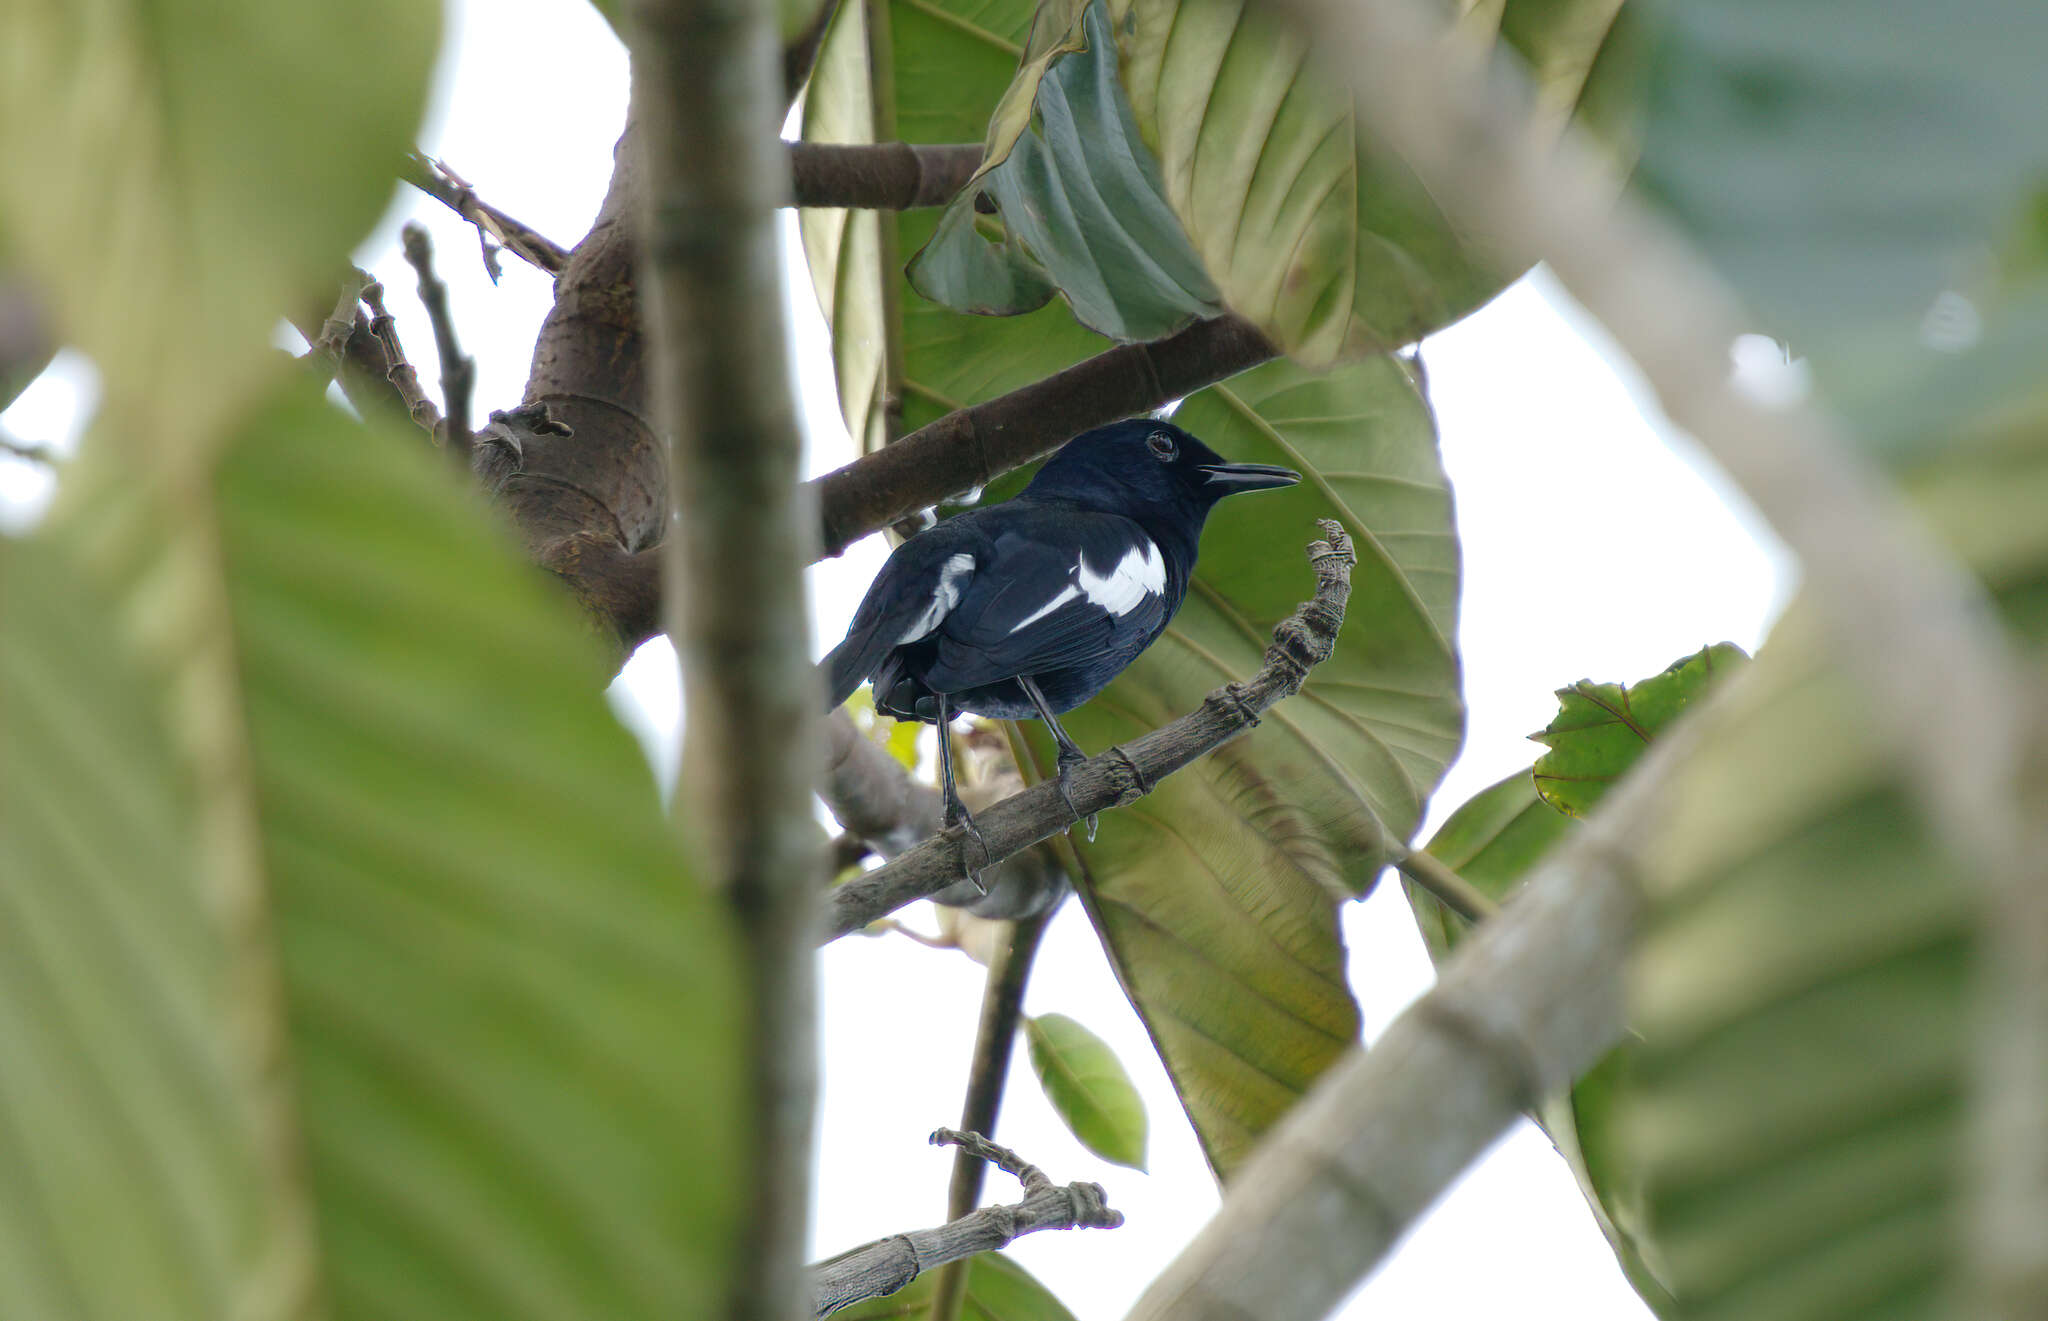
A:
(458, 372)
(1528, 1003)
(1898, 607)
(1450, 889)
(884, 176)
(399, 370)
(707, 93)
(995, 1042)
(880, 1268)
(972, 446)
(1122, 774)
(444, 185)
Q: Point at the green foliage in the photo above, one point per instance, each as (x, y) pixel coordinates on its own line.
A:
(1217, 895)
(170, 224)
(1088, 1087)
(998, 1289)
(1601, 727)
(1081, 205)
(1493, 841)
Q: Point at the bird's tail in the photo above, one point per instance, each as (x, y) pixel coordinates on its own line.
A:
(852, 661)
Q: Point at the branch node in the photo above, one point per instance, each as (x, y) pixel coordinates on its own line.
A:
(1140, 784)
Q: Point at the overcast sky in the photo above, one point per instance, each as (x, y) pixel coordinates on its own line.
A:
(1596, 545)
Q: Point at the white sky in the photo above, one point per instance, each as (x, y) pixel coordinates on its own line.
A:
(1596, 545)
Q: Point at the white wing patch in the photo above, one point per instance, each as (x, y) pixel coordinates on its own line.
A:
(947, 595)
(1140, 574)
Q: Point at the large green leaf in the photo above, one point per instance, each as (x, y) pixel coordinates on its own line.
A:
(1217, 895)
(943, 67)
(1846, 163)
(1080, 201)
(503, 1010)
(183, 173)
(998, 1289)
(1804, 989)
(1333, 250)
(1087, 1085)
(1600, 728)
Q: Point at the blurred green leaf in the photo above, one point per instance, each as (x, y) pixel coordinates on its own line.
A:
(1492, 841)
(1333, 250)
(1217, 895)
(1846, 164)
(1081, 194)
(181, 175)
(1601, 727)
(507, 1003)
(998, 1289)
(1804, 989)
(1088, 1088)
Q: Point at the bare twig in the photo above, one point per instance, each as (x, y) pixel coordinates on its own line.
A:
(885, 176)
(1123, 774)
(1898, 608)
(398, 369)
(1523, 1007)
(707, 91)
(886, 1265)
(1450, 889)
(971, 446)
(444, 185)
(458, 372)
(995, 1041)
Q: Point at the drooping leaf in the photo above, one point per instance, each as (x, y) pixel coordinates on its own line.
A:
(1601, 727)
(1846, 166)
(945, 65)
(1217, 895)
(1088, 1088)
(505, 1004)
(168, 222)
(1804, 992)
(998, 1289)
(1333, 250)
(1080, 199)
(1492, 841)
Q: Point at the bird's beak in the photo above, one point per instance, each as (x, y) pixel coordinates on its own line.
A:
(1231, 478)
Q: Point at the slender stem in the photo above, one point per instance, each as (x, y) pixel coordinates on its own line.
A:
(452, 190)
(1450, 889)
(995, 1041)
(458, 371)
(707, 91)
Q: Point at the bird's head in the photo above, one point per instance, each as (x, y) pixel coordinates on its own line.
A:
(1151, 471)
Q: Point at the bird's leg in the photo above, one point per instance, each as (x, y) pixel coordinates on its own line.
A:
(953, 812)
(1070, 752)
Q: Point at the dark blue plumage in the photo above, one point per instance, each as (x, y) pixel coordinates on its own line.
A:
(1031, 607)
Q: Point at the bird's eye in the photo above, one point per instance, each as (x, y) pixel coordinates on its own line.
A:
(1161, 446)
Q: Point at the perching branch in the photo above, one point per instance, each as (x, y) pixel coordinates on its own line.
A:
(885, 176)
(458, 372)
(1899, 609)
(707, 92)
(886, 1265)
(971, 446)
(444, 185)
(398, 368)
(1532, 1000)
(1122, 774)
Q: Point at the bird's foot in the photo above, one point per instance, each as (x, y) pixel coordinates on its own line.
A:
(1068, 761)
(956, 818)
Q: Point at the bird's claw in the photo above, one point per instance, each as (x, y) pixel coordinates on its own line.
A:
(1087, 823)
(965, 824)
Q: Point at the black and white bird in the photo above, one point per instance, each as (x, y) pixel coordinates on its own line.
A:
(1031, 607)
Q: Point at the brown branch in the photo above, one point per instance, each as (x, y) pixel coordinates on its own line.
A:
(444, 185)
(972, 446)
(884, 176)
(995, 1042)
(880, 1268)
(707, 89)
(458, 372)
(398, 369)
(1122, 774)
